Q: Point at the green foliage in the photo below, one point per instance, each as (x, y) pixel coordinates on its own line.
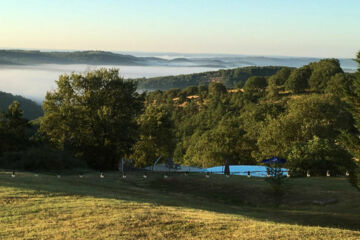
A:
(156, 136)
(272, 91)
(319, 155)
(255, 87)
(13, 129)
(339, 84)
(229, 77)
(280, 77)
(355, 176)
(352, 140)
(255, 84)
(225, 142)
(217, 89)
(191, 90)
(321, 73)
(277, 181)
(32, 110)
(306, 117)
(100, 118)
(94, 115)
(298, 79)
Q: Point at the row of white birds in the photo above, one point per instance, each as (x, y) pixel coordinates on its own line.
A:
(207, 175)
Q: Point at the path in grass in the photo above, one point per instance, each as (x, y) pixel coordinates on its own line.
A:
(46, 207)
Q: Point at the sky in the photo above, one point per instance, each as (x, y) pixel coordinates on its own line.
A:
(309, 28)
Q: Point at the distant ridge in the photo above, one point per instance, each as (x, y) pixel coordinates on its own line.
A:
(34, 57)
(31, 109)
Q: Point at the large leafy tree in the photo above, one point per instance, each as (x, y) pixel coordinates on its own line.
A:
(94, 115)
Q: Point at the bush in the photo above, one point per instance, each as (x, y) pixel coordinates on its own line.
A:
(277, 182)
(319, 155)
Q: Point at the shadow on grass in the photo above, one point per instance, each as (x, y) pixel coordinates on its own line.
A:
(236, 195)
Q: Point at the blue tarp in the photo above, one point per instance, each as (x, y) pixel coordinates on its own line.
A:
(255, 170)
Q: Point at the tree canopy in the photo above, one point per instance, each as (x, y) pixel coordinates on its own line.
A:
(94, 115)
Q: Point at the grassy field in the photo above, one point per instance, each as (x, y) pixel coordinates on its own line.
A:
(180, 207)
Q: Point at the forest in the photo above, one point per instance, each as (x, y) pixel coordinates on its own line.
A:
(228, 77)
(308, 115)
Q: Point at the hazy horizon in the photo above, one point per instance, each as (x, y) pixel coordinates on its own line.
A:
(172, 55)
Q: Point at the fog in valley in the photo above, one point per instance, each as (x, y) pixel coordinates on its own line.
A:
(34, 81)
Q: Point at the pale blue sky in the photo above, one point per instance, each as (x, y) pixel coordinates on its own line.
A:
(315, 28)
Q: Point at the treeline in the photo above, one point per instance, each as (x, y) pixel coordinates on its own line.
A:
(309, 116)
(229, 77)
(24, 57)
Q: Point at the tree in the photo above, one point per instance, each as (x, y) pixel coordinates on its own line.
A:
(217, 89)
(339, 84)
(280, 77)
(319, 155)
(298, 79)
(306, 117)
(94, 115)
(224, 142)
(272, 91)
(255, 84)
(352, 140)
(13, 129)
(156, 136)
(321, 73)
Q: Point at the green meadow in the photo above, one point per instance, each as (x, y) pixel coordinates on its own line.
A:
(179, 207)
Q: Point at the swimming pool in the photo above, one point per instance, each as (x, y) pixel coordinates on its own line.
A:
(256, 171)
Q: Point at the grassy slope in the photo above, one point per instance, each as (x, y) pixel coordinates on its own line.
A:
(191, 207)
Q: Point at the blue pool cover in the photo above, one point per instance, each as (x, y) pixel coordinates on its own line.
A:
(256, 171)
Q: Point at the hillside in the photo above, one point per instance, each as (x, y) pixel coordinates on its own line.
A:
(180, 207)
(229, 77)
(33, 57)
(31, 109)
(86, 57)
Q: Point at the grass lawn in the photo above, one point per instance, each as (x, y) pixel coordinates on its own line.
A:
(179, 207)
